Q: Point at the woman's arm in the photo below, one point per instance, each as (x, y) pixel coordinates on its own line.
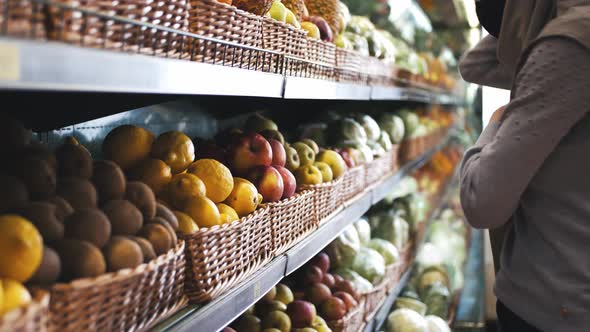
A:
(480, 65)
(552, 93)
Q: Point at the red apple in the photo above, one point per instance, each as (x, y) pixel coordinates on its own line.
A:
(318, 293)
(348, 300)
(312, 275)
(279, 156)
(337, 279)
(208, 149)
(268, 181)
(289, 182)
(348, 287)
(228, 137)
(329, 280)
(248, 151)
(301, 313)
(347, 156)
(333, 309)
(321, 260)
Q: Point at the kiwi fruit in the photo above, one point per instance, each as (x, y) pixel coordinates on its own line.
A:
(109, 180)
(73, 160)
(13, 135)
(159, 237)
(122, 253)
(163, 222)
(48, 272)
(13, 194)
(164, 212)
(38, 175)
(80, 193)
(143, 197)
(146, 248)
(62, 208)
(80, 259)
(126, 219)
(44, 216)
(90, 225)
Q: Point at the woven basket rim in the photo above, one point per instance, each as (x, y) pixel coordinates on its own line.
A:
(321, 185)
(260, 211)
(348, 315)
(226, 6)
(272, 21)
(40, 299)
(297, 195)
(122, 274)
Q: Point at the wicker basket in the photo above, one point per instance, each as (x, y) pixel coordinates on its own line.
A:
(291, 221)
(321, 60)
(352, 322)
(220, 257)
(404, 77)
(374, 299)
(281, 37)
(395, 162)
(411, 149)
(22, 18)
(393, 273)
(378, 168)
(348, 67)
(326, 199)
(407, 256)
(213, 19)
(76, 27)
(353, 183)
(128, 300)
(31, 318)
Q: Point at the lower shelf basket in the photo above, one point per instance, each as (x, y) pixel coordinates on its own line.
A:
(352, 322)
(128, 300)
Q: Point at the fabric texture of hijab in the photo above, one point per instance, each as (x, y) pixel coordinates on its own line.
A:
(526, 21)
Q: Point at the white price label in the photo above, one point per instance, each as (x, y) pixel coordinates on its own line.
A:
(9, 62)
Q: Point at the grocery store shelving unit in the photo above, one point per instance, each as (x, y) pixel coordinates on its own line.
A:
(68, 68)
(223, 310)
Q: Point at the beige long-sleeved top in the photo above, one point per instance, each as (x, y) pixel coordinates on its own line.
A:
(532, 168)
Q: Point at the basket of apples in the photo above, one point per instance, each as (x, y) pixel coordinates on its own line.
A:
(281, 31)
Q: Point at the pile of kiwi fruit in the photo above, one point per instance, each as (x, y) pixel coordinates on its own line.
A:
(92, 219)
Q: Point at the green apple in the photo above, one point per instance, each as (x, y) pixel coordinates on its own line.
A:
(312, 30)
(284, 294)
(334, 160)
(292, 20)
(312, 144)
(278, 320)
(293, 162)
(257, 123)
(308, 174)
(327, 174)
(306, 154)
(278, 11)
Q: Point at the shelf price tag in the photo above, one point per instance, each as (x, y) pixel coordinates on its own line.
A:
(9, 62)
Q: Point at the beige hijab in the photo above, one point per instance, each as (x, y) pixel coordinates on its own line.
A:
(526, 21)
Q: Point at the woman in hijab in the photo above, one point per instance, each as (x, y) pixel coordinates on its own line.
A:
(529, 168)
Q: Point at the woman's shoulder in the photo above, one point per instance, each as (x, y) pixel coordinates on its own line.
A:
(557, 50)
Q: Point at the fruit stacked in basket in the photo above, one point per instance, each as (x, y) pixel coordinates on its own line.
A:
(73, 225)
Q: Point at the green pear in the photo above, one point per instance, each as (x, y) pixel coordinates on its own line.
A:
(278, 11)
(292, 19)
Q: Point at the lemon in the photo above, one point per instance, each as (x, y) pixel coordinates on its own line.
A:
(186, 224)
(153, 172)
(184, 186)
(217, 178)
(21, 248)
(127, 145)
(175, 149)
(15, 295)
(203, 211)
(244, 198)
(228, 211)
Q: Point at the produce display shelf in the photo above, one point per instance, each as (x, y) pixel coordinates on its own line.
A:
(378, 321)
(27, 65)
(217, 314)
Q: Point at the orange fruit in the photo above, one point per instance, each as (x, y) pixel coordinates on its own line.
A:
(184, 186)
(216, 176)
(175, 149)
(203, 211)
(227, 212)
(153, 172)
(244, 198)
(21, 248)
(186, 224)
(127, 145)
